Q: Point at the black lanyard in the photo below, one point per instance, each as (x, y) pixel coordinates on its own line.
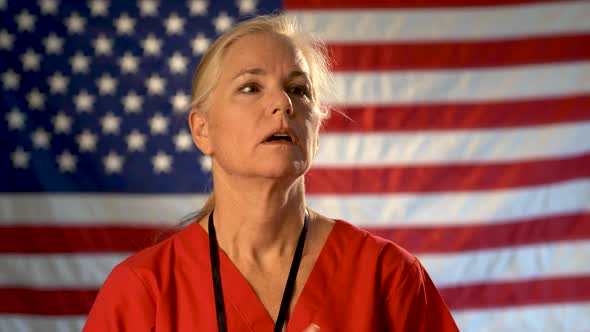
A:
(287, 294)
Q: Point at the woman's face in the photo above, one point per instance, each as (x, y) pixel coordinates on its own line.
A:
(262, 121)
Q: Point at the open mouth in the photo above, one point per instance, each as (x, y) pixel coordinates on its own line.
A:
(280, 137)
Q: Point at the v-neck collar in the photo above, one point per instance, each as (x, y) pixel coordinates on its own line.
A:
(238, 293)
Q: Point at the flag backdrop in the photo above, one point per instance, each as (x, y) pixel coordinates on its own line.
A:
(468, 143)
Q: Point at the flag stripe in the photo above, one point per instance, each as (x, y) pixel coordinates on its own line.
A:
(515, 263)
(464, 85)
(74, 239)
(476, 23)
(424, 209)
(46, 302)
(35, 323)
(441, 239)
(448, 116)
(381, 149)
(411, 179)
(418, 240)
(388, 4)
(459, 54)
(539, 318)
(528, 292)
(74, 271)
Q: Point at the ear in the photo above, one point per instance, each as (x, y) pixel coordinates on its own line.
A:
(199, 124)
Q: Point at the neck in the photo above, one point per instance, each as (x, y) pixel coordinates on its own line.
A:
(258, 219)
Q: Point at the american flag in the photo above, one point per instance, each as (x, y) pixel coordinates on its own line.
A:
(468, 143)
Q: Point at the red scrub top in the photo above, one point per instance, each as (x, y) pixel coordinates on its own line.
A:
(359, 283)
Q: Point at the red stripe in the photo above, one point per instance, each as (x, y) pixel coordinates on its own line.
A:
(477, 296)
(519, 293)
(459, 54)
(37, 239)
(447, 239)
(359, 4)
(460, 116)
(46, 302)
(71, 239)
(435, 178)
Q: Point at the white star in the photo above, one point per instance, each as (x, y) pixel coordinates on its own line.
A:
(198, 7)
(40, 138)
(25, 21)
(48, 6)
(106, 84)
(20, 158)
(58, 83)
(67, 162)
(10, 80)
(183, 141)
(98, 7)
(6, 40)
(247, 6)
(36, 100)
(103, 45)
(205, 163)
(222, 22)
(128, 63)
(30, 60)
(135, 141)
(125, 25)
(151, 45)
(15, 119)
(75, 23)
(132, 102)
(53, 44)
(113, 163)
(148, 7)
(110, 123)
(87, 141)
(79, 63)
(62, 123)
(162, 162)
(180, 102)
(155, 85)
(158, 124)
(84, 102)
(200, 44)
(177, 63)
(174, 24)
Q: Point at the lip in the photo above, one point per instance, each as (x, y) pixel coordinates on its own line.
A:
(281, 130)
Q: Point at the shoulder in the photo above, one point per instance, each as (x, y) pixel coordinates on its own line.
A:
(155, 264)
(384, 250)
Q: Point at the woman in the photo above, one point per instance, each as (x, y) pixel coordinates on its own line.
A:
(257, 113)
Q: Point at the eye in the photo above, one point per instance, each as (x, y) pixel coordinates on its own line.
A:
(299, 90)
(249, 88)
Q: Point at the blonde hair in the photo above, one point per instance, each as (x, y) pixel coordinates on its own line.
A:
(209, 70)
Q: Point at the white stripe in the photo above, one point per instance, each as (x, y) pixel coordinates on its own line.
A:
(34, 323)
(423, 209)
(460, 208)
(453, 147)
(395, 25)
(56, 270)
(464, 85)
(105, 209)
(518, 263)
(539, 318)
(509, 264)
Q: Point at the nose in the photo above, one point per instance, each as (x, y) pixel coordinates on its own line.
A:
(282, 103)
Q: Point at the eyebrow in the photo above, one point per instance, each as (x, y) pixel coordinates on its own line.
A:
(260, 71)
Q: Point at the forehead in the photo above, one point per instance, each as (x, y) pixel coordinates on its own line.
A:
(264, 50)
